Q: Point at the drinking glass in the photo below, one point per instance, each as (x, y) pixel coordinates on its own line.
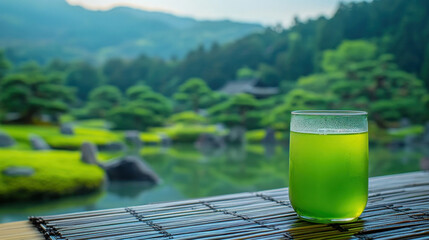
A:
(328, 165)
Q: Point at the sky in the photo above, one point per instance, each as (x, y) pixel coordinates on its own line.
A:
(266, 12)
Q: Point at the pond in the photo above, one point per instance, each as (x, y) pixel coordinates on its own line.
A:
(188, 173)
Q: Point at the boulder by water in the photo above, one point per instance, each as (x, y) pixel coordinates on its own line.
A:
(270, 137)
(6, 140)
(89, 153)
(18, 171)
(426, 134)
(37, 143)
(209, 141)
(130, 168)
(66, 129)
(165, 140)
(236, 135)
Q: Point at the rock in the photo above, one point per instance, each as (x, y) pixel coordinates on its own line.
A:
(89, 153)
(6, 140)
(424, 163)
(130, 168)
(220, 127)
(209, 141)
(133, 138)
(66, 129)
(165, 140)
(426, 134)
(405, 122)
(270, 137)
(18, 171)
(37, 143)
(236, 135)
(270, 150)
(112, 147)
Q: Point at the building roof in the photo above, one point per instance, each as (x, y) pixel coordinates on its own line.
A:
(248, 86)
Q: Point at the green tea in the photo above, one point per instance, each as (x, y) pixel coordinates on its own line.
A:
(328, 176)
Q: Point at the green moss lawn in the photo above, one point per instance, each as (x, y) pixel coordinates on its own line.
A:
(52, 135)
(57, 173)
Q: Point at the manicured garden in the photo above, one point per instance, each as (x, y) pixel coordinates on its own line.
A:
(56, 173)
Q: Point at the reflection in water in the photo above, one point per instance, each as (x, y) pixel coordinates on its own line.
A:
(188, 173)
(128, 189)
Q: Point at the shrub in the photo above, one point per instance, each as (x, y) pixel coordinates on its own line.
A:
(187, 117)
(57, 173)
(147, 137)
(183, 133)
(256, 136)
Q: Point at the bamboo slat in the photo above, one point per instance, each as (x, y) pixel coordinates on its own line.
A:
(398, 208)
(22, 230)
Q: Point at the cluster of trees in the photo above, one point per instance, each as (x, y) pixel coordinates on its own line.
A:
(354, 76)
(399, 27)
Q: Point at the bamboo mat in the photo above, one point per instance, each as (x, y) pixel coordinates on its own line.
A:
(398, 208)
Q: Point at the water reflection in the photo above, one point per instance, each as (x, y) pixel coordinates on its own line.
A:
(189, 173)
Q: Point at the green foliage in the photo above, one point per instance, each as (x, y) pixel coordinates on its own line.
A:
(238, 110)
(182, 133)
(83, 77)
(187, 117)
(367, 82)
(151, 138)
(102, 100)
(143, 97)
(32, 93)
(257, 135)
(297, 99)
(347, 53)
(268, 75)
(93, 123)
(245, 73)
(192, 93)
(130, 117)
(407, 131)
(5, 64)
(57, 173)
(144, 108)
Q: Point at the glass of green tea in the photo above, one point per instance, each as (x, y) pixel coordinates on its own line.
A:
(328, 165)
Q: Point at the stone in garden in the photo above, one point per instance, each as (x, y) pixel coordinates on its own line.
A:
(405, 122)
(130, 168)
(209, 141)
(113, 146)
(424, 163)
(426, 134)
(66, 129)
(37, 143)
(6, 140)
(236, 135)
(165, 140)
(18, 171)
(89, 153)
(270, 136)
(133, 138)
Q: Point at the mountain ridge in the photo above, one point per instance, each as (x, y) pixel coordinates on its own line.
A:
(49, 29)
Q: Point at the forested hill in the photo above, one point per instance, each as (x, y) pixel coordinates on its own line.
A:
(400, 27)
(45, 29)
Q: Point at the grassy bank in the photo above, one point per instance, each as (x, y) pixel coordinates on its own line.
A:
(55, 139)
(56, 173)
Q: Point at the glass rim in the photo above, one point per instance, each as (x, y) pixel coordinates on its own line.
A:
(329, 113)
